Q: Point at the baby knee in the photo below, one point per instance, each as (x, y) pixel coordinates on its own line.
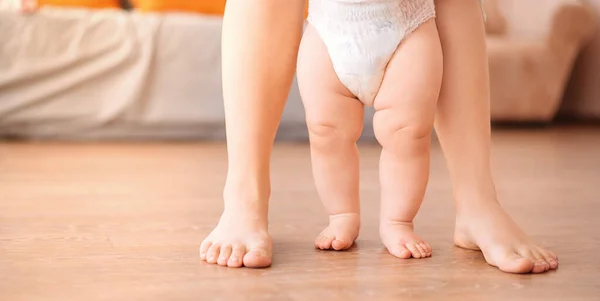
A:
(404, 136)
(328, 134)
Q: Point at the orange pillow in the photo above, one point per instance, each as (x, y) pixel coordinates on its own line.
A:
(212, 7)
(82, 3)
(305, 9)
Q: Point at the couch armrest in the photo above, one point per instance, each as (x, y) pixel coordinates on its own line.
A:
(536, 54)
(552, 21)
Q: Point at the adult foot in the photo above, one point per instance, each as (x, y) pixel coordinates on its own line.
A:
(401, 241)
(240, 239)
(340, 234)
(487, 227)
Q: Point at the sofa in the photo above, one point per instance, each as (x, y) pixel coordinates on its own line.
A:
(533, 46)
(582, 98)
(115, 74)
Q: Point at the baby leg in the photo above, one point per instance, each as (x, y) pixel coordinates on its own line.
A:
(403, 122)
(335, 121)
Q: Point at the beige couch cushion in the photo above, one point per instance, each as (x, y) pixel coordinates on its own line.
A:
(109, 73)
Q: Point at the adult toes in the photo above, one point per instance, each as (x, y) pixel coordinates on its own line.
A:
(224, 255)
(540, 263)
(237, 255)
(514, 263)
(257, 258)
(549, 259)
(213, 253)
(204, 248)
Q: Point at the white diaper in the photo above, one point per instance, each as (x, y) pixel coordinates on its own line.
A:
(362, 35)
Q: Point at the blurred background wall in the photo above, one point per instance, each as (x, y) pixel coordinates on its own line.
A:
(92, 69)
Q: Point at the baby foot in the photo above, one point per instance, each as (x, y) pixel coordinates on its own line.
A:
(341, 233)
(401, 241)
(487, 227)
(240, 239)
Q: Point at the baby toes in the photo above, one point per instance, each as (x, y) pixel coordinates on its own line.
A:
(341, 244)
(400, 251)
(414, 250)
(426, 248)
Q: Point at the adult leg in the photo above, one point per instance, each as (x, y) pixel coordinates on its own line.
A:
(403, 123)
(463, 127)
(335, 122)
(260, 46)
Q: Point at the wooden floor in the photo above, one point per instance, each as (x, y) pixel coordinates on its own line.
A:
(124, 222)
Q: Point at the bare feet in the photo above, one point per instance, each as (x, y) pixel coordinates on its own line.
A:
(401, 241)
(340, 234)
(240, 239)
(487, 227)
